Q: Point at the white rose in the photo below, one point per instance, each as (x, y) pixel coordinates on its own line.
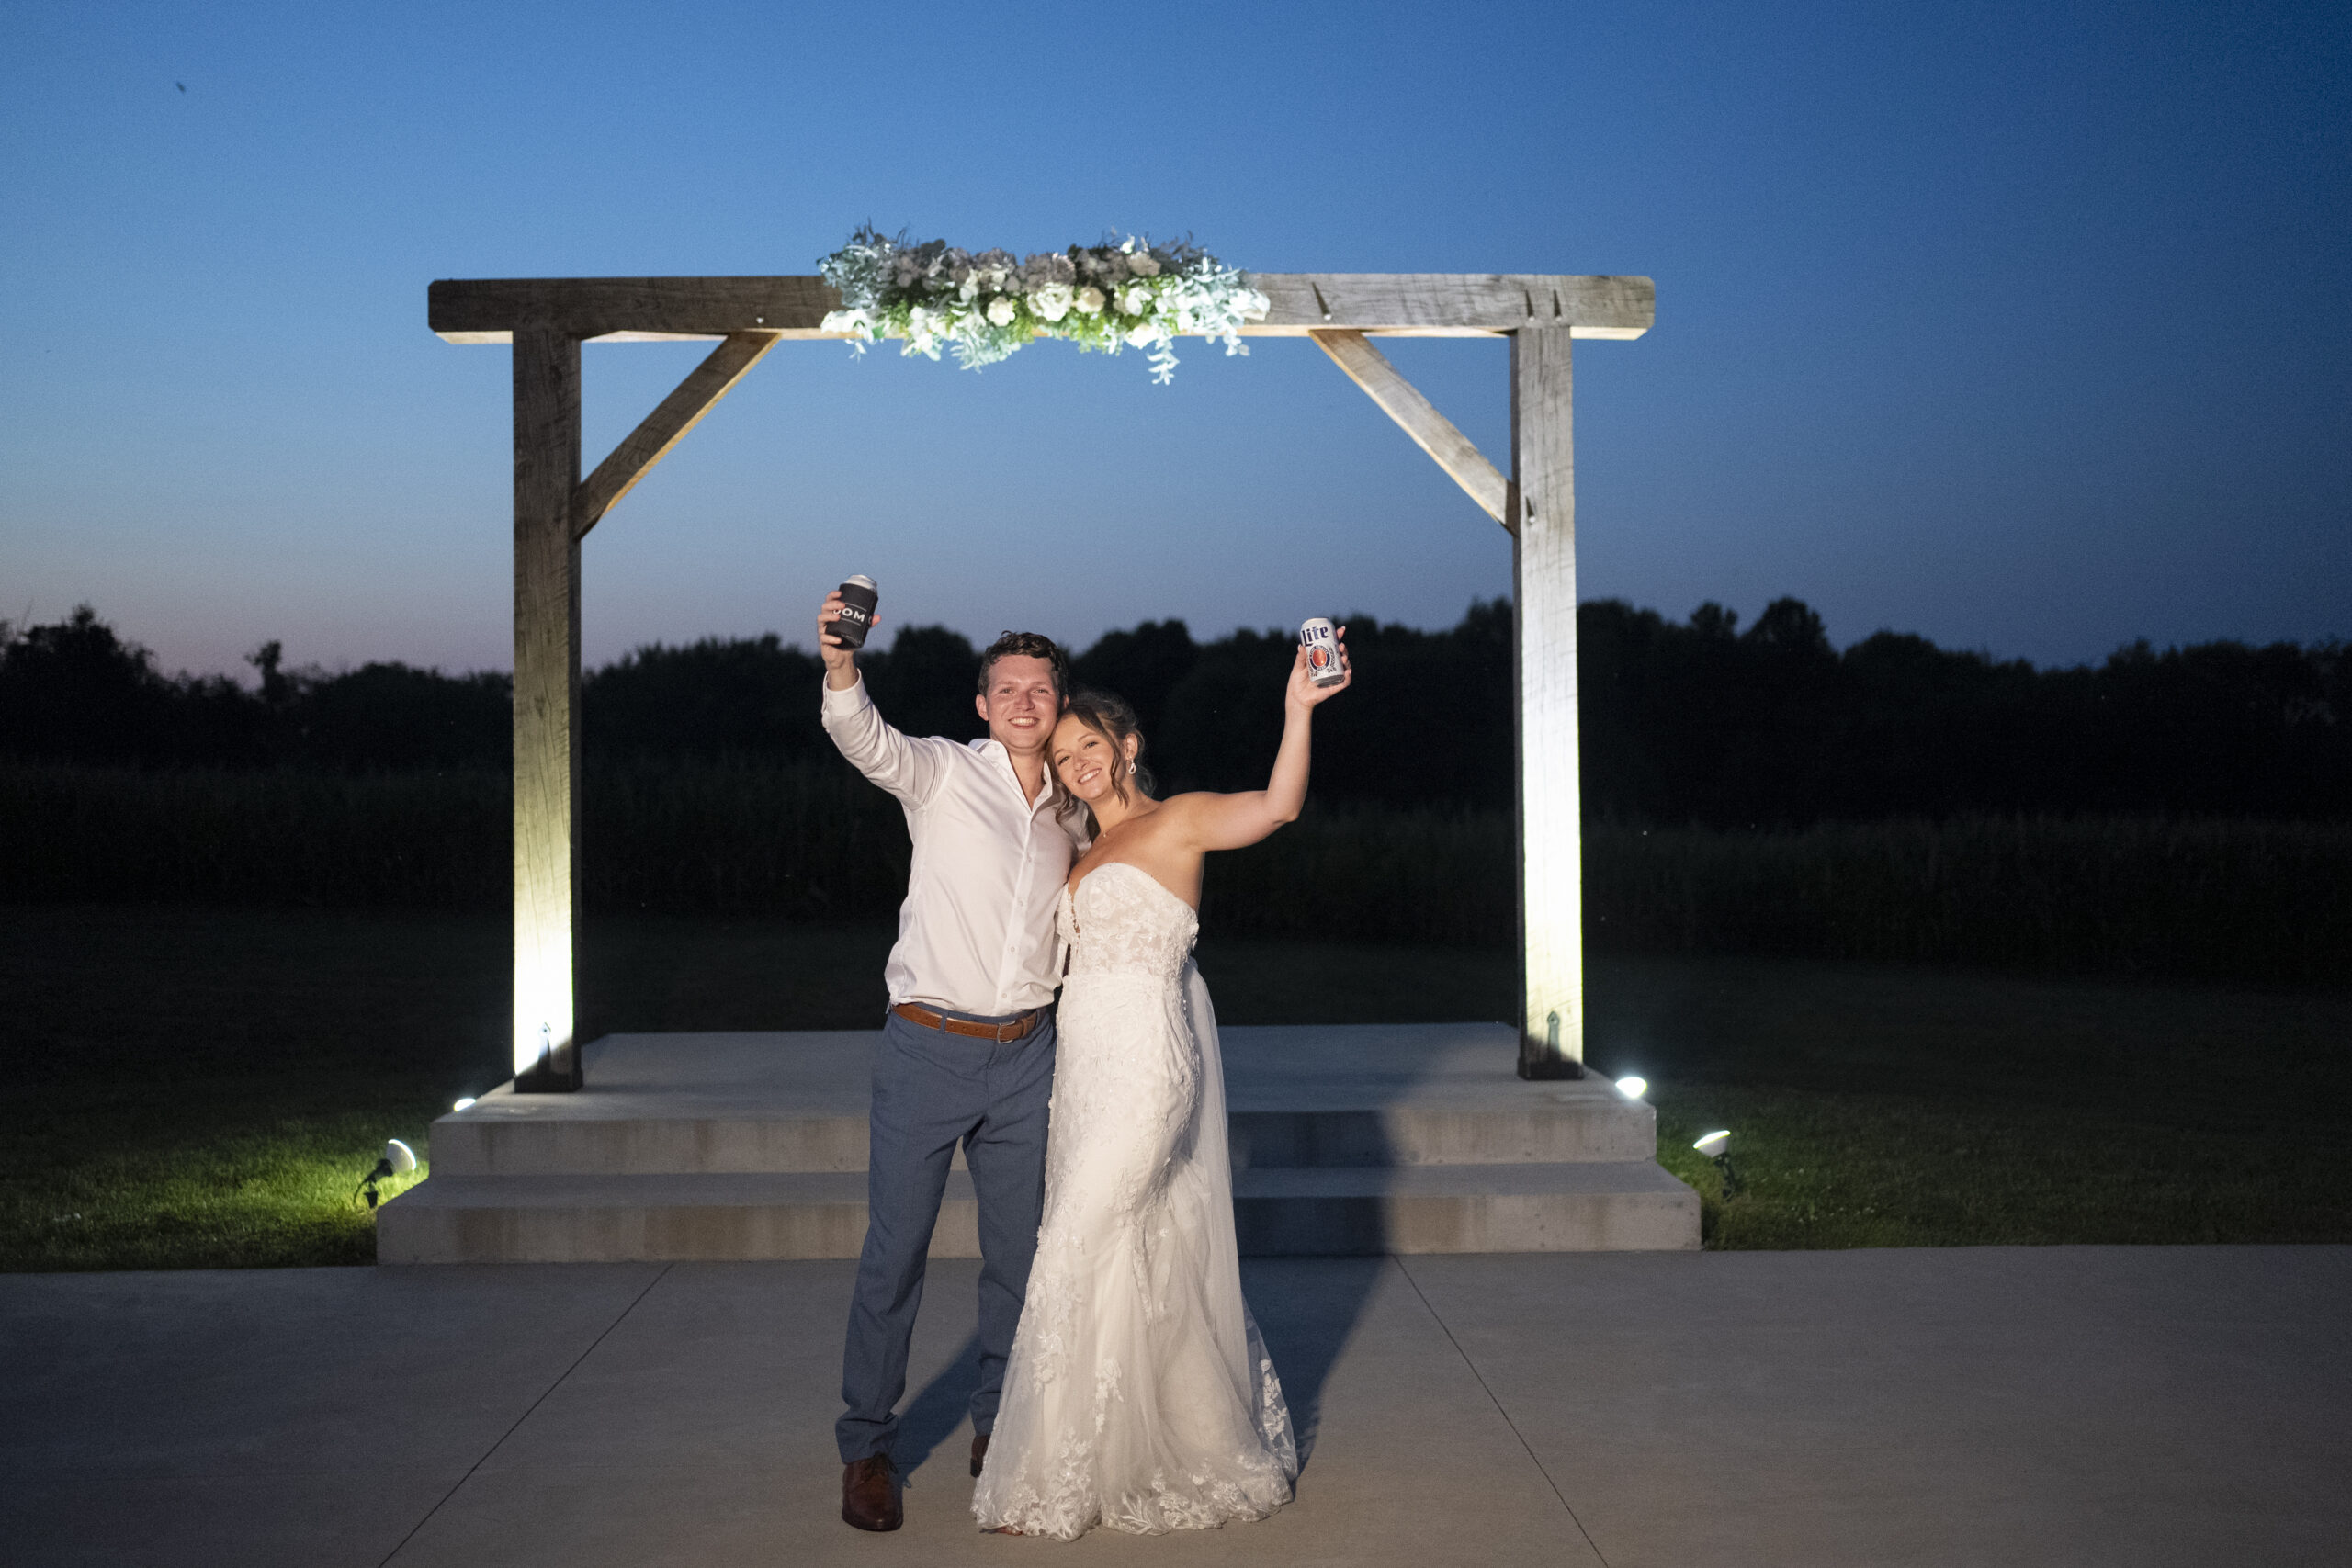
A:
(1089, 300)
(1001, 310)
(1052, 300)
(1142, 265)
(1134, 300)
(1139, 337)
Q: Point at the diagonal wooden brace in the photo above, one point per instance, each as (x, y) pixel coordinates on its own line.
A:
(1430, 431)
(651, 441)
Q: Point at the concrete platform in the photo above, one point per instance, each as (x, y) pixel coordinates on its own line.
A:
(2073, 1407)
(1364, 1140)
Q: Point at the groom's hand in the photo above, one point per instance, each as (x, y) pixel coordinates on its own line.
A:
(841, 659)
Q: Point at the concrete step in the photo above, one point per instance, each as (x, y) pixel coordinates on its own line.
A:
(509, 1134)
(1408, 1095)
(1554, 1207)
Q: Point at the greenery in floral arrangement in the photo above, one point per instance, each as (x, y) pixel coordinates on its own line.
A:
(1122, 293)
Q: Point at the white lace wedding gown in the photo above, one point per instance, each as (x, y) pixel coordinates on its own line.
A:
(1138, 1394)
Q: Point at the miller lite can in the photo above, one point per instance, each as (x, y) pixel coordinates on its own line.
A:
(1322, 645)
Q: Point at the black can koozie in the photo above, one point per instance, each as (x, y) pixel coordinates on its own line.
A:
(859, 599)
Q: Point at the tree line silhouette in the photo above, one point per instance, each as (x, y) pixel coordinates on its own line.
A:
(1684, 722)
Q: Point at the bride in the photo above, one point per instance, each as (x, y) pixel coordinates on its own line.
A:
(1138, 1394)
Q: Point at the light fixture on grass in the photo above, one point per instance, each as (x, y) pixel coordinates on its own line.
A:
(463, 1102)
(398, 1159)
(1632, 1086)
(1716, 1146)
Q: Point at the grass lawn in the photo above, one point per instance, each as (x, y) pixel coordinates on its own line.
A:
(191, 1088)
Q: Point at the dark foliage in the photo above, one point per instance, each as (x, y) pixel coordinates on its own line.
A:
(1699, 723)
(1143, 666)
(1691, 722)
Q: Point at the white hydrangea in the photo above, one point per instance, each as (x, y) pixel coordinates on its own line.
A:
(936, 297)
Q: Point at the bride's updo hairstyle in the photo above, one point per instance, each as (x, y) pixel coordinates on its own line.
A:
(1114, 721)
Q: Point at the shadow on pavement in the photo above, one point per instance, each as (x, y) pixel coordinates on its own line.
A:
(935, 1413)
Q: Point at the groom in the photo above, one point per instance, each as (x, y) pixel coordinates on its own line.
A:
(967, 1047)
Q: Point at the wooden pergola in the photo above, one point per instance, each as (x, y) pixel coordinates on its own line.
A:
(547, 319)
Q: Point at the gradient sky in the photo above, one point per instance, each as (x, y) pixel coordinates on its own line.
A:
(2021, 326)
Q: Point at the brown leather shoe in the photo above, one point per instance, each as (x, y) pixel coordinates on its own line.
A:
(870, 1494)
(979, 1452)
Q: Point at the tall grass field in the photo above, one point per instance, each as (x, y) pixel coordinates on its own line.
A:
(2269, 902)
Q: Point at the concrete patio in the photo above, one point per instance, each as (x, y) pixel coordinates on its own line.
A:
(2060, 1405)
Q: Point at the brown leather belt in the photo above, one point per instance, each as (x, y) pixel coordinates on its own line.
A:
(1002, 1033)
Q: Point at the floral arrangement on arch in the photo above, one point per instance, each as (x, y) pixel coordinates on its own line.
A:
(1122, 293)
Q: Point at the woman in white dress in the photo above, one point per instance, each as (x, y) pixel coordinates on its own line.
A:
(1138, 1394)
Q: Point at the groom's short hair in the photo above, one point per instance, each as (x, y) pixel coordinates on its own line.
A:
(1028, 645)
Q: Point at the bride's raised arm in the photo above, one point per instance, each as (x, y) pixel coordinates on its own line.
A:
(1235, 821)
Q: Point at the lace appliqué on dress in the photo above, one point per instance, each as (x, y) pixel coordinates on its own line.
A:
(1138, 1394)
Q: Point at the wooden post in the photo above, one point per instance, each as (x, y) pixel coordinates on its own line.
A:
(1544, 583)
(547, 707)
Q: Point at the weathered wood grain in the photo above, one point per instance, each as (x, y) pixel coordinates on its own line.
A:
(1399, 303)
(1445, 304)
(1544, 573)
(660, 429)
(1430, 431)
(546, 704)
(488, 310)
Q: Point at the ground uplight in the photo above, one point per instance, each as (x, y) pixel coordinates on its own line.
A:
(1716, 1146)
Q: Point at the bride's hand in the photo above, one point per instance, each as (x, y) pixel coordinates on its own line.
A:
(1303, 693)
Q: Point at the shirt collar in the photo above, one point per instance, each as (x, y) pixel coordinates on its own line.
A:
(992, 750)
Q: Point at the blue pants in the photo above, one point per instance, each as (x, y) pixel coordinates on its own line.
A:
(932, 1092)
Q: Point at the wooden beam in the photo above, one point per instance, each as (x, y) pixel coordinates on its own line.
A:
(1430, 431)
(1452, 304)
(679, 412)
(1400, 303)
(1544, 624)
(547, 707)
(486, 310)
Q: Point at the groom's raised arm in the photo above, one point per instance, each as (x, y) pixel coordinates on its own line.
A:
(907, 768)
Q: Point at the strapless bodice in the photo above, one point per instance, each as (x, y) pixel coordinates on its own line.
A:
(1121, 920)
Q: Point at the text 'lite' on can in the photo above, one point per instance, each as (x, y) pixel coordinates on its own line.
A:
(1322, 645)
(859, 599)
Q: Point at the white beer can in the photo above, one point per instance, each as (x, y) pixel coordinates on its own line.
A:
(1322, 645)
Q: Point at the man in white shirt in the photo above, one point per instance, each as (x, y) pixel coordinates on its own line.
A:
(967, 1047)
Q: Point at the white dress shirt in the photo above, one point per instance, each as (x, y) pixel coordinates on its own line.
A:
(976, 931)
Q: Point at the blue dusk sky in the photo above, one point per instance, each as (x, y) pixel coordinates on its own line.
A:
(2021, 326)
